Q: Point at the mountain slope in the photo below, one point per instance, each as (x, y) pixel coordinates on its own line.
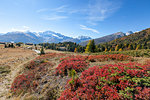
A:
(78, 39)
(33, 37)
(105, 38)
(138, 38)
(53, 37)
(20, 37)
(135, 41)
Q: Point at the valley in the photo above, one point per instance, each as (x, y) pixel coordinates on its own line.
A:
(74, 50)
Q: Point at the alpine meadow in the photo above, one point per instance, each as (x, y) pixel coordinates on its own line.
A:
(74, 50)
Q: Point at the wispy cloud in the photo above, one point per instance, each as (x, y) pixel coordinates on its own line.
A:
(60, 9)
(54, 17)
(42, 10)
(99, 10)
(55, 13)
(21, 29)
(92, 12)
(89, 29)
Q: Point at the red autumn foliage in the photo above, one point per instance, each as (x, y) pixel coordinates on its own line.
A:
(29, 80)
(51, 55)
(24, 82)
(110, 82)
(118, 57)
(143, 94)
(78, 63)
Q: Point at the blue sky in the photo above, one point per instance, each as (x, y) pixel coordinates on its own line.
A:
(94, 18)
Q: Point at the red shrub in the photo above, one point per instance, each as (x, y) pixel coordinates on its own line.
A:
(51, 55)
(29, 80)
(143, 94)
(112, 82)
(118, 57)
(24, 82)
(77, 63)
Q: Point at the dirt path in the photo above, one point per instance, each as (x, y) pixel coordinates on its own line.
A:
(5, 81)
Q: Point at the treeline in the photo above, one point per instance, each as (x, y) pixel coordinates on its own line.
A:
(10, 45)
(122, 46)
(92, 48)
(138, 40)
(65, 46)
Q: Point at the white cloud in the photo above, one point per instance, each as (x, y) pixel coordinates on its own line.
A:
(92, 12)
(54, 13)
(89, 29)
(21, 29)
(60, 9)
(54, 17)
(26, 27)
(99, 10)
(42, 10)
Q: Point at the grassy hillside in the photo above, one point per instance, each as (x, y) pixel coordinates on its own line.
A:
(105, 38)
(134, 53)
(138, 37)
(138, 40)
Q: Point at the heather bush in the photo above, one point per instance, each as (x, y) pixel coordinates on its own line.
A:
(110, 82)
(118, 57)
(29, 80)
(24, 82)
(77, 63)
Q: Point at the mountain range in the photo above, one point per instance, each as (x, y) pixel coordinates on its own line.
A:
(141, 38)
(40, 37)
(53, 37)
(108, 38)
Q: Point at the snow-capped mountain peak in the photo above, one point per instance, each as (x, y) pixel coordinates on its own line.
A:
(40, 37)
(129, 32)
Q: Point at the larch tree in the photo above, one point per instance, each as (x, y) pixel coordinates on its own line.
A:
(90, 47)
(116, 48)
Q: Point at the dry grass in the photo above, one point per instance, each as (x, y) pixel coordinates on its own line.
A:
(14, 56)
(11, 62)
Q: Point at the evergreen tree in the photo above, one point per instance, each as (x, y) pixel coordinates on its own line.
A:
(102, 48)
(5, 45)
(42, 51)
(93, 46)
(9, 45)
(12, 45)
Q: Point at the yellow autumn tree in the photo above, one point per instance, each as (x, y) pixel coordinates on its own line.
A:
(105, 49)
(87, 50)
(75, 50)
(116, 48)
(110, 50)
(120, 49)
(90, 47)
